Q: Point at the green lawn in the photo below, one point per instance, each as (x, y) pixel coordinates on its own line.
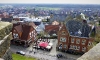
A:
(20, 57)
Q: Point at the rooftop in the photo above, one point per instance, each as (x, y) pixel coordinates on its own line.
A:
(4, 24)
(77, 28)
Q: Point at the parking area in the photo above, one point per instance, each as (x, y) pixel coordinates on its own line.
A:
(44, 54)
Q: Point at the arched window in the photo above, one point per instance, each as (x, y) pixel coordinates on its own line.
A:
(83, 49)
(89, 44)
(83, 42)
(62, 39)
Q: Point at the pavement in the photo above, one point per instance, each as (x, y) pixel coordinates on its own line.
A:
(53, 51)
(44, 55)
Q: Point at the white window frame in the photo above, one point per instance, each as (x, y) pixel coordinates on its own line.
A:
(60, 47)
(78, 41)
(83, 42)
(14, 35)
(83, 49)
(30, 34)
(90, 43)
(63, 33)
(34, 32)
(17, 36)
(65, 46)
(63, 39)
(78, 47)
(75, 47)
(72, 40)
(71, 46)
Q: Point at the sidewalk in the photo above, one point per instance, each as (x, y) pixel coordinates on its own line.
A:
(53, 51)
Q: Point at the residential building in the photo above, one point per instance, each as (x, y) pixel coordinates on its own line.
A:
(24, 33)
(52, 29)
(67, 41)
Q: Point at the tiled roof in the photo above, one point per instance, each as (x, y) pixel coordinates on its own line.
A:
(18, 28)
(26, 30)
(49, 28)
(33, 25)
(74, 26)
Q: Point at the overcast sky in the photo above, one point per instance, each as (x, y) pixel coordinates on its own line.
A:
(53, 1)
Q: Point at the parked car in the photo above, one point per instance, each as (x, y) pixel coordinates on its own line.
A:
(49, 47)
(20, 52)
(59, 55)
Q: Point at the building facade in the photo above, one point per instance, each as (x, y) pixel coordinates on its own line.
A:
(67, 42)
(24, 33)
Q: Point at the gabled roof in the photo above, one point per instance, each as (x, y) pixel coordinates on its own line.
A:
(26, 31)
(49, 28)
(32, 24)
(74, 26)
(18, 28)
(24, 28)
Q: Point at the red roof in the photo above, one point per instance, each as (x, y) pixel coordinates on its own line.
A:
(24, 29)
(50, 28)
(18, 28)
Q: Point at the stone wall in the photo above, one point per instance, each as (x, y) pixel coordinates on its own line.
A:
(7, 55)
(5, 44)
(92, 54)
(5, 37)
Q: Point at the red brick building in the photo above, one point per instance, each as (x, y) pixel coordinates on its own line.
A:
(24, 33)
(67, 42)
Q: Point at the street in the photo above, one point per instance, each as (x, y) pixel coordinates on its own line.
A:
(42, 54)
